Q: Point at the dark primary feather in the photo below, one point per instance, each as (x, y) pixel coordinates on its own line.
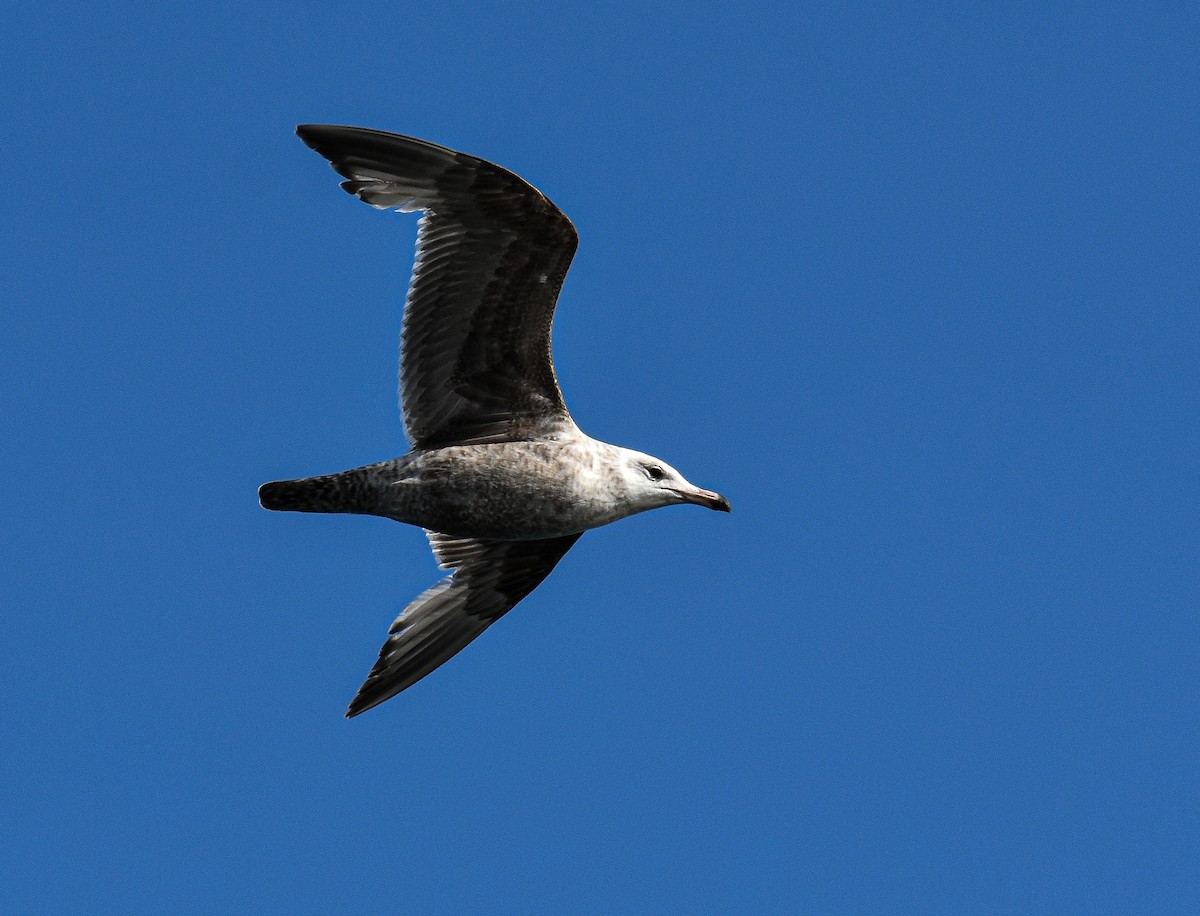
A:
(490, 578)
(492, 252)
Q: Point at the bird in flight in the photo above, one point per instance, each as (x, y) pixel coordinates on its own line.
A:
(498, 475)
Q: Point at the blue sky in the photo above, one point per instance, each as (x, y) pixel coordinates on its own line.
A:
(914, 285)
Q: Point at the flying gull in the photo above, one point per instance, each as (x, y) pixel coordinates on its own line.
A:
(499, 475)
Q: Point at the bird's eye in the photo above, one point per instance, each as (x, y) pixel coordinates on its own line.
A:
(654, 472)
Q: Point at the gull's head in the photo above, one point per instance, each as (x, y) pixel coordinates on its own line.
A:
(651, 484)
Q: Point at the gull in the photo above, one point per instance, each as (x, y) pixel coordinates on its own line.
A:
(498, 475)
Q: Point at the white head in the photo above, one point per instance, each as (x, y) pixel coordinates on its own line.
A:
(650, 483)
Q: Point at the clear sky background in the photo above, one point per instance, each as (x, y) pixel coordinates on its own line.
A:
(917, 286)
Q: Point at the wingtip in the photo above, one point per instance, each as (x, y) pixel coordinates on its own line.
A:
(369, 696)
(309, 134)
(313, 135)
(359, 704)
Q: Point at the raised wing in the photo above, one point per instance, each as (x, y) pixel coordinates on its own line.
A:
(492, 252)
(490, 578)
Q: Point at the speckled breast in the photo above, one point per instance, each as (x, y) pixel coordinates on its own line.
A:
(508, 491)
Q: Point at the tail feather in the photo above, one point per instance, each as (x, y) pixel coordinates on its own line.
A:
(349, 491)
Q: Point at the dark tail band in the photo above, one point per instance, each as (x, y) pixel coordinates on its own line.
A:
(349, 491)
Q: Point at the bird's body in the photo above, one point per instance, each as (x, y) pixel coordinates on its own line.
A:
(495, 490)
(499, 475)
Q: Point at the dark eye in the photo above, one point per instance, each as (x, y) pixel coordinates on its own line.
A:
(654, 472)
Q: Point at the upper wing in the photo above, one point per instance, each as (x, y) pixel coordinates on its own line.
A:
(490, 577)
(492, 252)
